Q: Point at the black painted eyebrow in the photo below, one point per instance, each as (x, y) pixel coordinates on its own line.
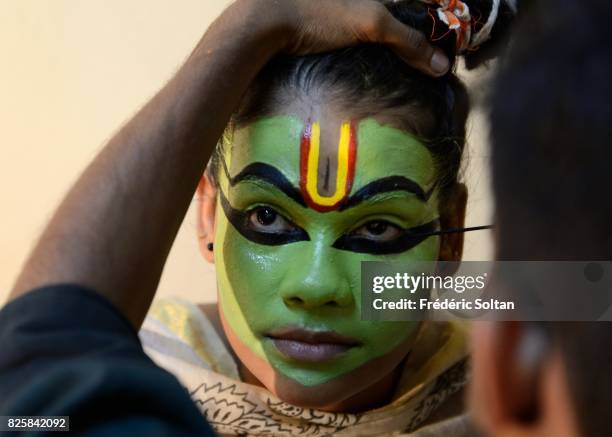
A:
(267, 173)
(239, 220)
(387, 185)
(408, 239)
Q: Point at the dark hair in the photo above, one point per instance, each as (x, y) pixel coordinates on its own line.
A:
(551, 127)
(370, 79)
(551, 124)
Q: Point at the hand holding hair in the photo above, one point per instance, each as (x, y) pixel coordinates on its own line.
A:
(110, 233)
(114, 229)
(351, 22)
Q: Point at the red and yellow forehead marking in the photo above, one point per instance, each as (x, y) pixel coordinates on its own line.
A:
(326, 176)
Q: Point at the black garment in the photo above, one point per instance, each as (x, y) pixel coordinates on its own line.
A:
(67, 351)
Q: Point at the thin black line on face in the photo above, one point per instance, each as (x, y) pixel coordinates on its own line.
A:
(352, 243)
(408, 239)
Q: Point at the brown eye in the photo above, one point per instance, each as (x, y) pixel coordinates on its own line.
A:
(266, 219)
(266, 216)
(378, 230)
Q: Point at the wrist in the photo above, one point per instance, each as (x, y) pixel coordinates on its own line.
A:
(264, 25)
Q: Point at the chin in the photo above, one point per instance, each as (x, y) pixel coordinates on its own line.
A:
(343, 393)
(317, 397)
(326, 396)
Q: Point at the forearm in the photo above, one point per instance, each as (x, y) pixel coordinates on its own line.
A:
(114, 229)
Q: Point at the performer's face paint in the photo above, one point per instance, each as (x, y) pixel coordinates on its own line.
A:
(301, 203)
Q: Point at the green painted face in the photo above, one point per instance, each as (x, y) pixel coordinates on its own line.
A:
(287, 258)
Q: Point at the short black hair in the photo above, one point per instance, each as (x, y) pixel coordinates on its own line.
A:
(551, 124)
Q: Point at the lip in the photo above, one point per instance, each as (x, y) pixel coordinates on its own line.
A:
(311, 346)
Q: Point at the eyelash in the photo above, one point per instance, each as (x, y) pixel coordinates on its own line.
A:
(378, 227)
(408, 239)
(259, 215)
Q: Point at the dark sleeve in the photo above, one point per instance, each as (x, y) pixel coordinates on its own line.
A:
(67, 351)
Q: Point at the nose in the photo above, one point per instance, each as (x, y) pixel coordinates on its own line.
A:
(317, 280)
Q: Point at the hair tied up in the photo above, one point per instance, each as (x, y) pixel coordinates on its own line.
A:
(456, 15)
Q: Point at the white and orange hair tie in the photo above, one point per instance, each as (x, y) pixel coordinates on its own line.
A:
(456, 15)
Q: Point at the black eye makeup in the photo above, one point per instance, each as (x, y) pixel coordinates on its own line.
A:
(380, 237)
(263, 225)
(266, 219)
(379, 230)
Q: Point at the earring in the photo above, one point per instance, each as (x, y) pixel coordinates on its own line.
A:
(210, 247)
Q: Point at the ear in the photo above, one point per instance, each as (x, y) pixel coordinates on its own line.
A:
(509, 388)
(452, 216)
(206, 205)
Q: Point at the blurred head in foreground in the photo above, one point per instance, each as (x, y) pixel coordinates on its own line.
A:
(551, 118)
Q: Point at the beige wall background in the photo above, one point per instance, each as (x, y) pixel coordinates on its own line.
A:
(72, 72)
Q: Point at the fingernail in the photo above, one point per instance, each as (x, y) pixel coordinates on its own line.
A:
(439, 62)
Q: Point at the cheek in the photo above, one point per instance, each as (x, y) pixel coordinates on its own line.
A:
(257, 270)
(380, 338)
(249, 276)
(428, 250)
